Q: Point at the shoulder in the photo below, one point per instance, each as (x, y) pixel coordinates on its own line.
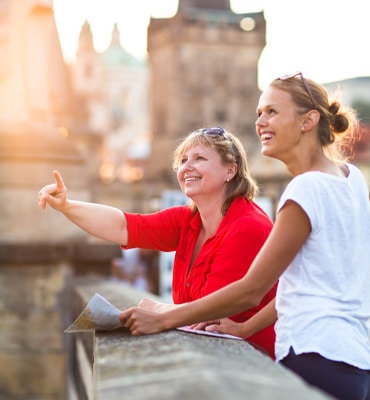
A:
(355, 173)
(311, 191)
(180, 212)
(247, 218)
(242, 208)
(176, 212)
(307, 183)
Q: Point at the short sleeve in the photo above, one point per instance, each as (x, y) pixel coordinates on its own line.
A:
(159, 231)
(306, 191)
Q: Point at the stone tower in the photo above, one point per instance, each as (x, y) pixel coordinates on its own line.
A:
(35, 118)
(203, 73)
(205, 4)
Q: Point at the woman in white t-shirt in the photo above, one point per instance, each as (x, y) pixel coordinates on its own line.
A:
(319, 249)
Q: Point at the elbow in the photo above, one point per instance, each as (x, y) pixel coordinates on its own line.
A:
(245, 295)
(255, 290)
(253, 298)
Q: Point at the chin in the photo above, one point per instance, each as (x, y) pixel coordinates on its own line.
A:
(187, 193)
(266, 152)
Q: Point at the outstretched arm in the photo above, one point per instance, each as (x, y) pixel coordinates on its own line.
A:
(102, 221)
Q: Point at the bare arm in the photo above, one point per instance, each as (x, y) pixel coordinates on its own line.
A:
(291, 230)
(156, 306)
(102, 221)
(261, 320)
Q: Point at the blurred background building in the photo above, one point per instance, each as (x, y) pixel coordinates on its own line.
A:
(109, 123)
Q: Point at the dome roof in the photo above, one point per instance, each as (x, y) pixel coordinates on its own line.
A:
(116, 55)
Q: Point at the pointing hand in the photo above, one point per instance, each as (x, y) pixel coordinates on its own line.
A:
(54, 194)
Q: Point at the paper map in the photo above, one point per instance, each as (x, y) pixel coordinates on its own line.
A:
(101, 315)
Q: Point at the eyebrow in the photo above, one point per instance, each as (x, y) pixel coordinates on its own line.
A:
(267, 106)
(194, 154)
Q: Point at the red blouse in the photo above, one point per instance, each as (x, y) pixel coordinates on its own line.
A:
(224, 257)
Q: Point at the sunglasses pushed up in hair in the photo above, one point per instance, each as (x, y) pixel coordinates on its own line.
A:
(303, 79)
(215, 132)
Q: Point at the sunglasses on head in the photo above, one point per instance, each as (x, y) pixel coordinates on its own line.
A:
(215, 131)
(308, 90)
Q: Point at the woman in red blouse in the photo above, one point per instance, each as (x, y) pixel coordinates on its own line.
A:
(215, 238)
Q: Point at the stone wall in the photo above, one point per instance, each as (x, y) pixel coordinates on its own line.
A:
(174, 364)
(36, 281)
(32, 355)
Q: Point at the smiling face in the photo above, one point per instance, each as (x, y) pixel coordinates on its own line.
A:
(279, 125)
(202, 173)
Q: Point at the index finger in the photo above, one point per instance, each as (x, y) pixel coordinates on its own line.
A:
(58, 180)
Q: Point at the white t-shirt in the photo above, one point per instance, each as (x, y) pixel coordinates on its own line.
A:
(323, 298)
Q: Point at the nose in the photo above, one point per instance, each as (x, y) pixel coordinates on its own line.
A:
(187, 164)
(260, 121)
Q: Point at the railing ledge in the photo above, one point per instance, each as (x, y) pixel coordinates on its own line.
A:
(174, 364)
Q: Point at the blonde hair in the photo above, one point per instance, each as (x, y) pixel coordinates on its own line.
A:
(231, 150)
(338, 125)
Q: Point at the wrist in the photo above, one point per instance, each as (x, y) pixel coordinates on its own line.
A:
(244, 331)
(65, 206)
(168, 319)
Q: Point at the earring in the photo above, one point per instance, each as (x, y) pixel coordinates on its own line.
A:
(227, 179)
(302, 129)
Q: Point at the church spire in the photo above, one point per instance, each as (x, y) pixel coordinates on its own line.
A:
(205, 4)
(115, 41)
(85, 41)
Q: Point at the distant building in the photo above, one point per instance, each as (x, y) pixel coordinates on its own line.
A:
(203, 64)
(202, 70)
(112, 92)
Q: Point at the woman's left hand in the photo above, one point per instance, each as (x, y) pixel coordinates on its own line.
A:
(202, 325)
(228, 326)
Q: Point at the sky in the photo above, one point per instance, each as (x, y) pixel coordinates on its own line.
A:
(328, 40)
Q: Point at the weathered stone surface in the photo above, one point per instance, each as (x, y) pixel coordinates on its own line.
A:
(37, 331)
(179, 365)
(33, 288)
(32, 345)
(38, 374)
(187, 366)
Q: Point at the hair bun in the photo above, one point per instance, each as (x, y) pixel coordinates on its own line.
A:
(338, 121)
(334, 108)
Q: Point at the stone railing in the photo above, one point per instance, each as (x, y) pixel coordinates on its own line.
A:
(172, 365)
(36, 282)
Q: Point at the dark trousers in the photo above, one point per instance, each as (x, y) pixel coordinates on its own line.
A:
(338, 379)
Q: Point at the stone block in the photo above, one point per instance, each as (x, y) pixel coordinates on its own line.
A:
(24, 375)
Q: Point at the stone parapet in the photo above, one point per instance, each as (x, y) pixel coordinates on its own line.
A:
(36, 282)
(173, 364)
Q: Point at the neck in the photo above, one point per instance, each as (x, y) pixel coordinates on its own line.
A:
(211, 217)
(317, 163)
